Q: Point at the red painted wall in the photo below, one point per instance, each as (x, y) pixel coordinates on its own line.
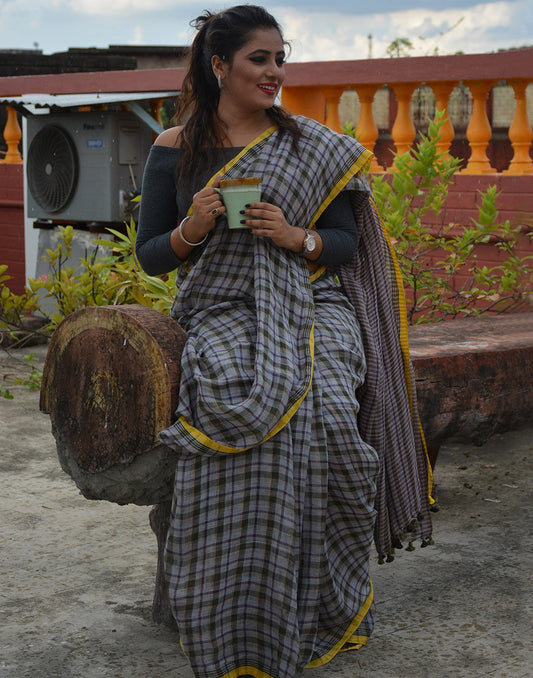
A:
(12, 224)
(515, 201)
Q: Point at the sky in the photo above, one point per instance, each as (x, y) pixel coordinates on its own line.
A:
(318, 30)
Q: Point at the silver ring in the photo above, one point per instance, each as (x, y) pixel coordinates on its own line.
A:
(214, 212)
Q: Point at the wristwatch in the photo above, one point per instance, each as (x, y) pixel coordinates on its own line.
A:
(309, 243)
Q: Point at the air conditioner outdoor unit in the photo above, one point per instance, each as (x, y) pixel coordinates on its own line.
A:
(84, 166)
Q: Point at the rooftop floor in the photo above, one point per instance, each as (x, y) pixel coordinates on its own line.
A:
(77, 577)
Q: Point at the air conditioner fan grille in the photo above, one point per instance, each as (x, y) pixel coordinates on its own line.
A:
(52, 168)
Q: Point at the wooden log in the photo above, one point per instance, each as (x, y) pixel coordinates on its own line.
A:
(110, 384)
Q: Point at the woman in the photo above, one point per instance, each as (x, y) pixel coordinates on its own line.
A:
(290, 461)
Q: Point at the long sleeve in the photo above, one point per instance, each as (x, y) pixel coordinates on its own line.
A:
(159, 213)
(338, 231)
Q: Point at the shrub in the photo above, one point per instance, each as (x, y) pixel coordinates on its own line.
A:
(115, 278)
(439, 262)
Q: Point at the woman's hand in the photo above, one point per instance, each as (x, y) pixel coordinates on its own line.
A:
(207, 207)
(268, 221)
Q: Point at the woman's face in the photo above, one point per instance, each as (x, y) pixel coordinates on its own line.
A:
(256, 72)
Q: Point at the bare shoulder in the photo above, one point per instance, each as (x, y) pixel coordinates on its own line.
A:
(170, 137)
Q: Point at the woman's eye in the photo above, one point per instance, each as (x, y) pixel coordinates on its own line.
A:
(258, 60)
(281, 62)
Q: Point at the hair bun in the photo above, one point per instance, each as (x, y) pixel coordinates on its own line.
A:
(201, 20)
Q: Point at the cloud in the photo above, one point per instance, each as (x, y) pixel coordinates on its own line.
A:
(351, 8)
(324, 36)
(319, 31)
(116, 7)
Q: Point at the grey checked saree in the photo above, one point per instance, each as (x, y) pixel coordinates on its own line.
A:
(294, 428)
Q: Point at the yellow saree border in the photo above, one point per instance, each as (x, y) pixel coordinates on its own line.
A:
(348, 636)
(358, 166)
(354, 643)
(404, 345)
(206, 441)
(319, 271)
(247, 671)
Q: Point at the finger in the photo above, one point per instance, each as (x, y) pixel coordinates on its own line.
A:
(264, 206)
(259, 213)
(259, 225)
(217, 210)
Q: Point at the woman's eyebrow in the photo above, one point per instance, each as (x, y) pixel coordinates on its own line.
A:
(266, 51)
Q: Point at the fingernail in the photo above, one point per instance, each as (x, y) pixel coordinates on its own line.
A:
(241, 211)
(247, 205)
(243, 221)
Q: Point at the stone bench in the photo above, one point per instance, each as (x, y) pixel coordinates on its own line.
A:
(474, 377)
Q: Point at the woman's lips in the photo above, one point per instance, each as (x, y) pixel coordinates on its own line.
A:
(268, 87)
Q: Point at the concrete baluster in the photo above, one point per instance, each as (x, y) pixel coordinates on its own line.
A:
(366, 127)
(12, 137)
(479, 130)
(403, 131)
(520, 133)
(333, 95)
(442, 91)
(307, 101)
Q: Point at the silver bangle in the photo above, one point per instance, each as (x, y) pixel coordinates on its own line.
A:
(191, 244)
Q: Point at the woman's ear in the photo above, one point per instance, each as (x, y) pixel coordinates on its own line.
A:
(219, 67)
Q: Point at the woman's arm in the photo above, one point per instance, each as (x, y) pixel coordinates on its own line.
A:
(338, 231)
(162, 244)
(159, 213)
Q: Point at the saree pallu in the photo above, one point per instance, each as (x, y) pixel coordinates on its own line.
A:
(276, 490)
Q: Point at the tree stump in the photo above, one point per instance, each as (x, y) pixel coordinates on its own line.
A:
(110, 384)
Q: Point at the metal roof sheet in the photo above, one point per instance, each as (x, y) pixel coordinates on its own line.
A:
(38, 103)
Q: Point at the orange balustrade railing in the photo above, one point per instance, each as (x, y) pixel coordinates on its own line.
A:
(315, 88)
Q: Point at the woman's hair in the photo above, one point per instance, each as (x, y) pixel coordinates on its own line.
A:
(220, 34)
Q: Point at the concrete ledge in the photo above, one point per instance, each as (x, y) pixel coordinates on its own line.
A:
(474, 376)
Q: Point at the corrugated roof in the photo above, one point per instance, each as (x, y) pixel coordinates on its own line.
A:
(39, 103)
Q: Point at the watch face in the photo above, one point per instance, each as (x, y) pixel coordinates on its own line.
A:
(309, 242)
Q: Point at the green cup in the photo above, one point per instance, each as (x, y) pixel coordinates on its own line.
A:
(236, 194)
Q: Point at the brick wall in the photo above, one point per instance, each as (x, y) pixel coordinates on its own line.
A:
(12, 224)
(515, 201)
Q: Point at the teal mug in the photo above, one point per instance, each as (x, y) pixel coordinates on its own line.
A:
(236, 194)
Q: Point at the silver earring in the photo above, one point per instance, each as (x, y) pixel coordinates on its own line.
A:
(219, 78)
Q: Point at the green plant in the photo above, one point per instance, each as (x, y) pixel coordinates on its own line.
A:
(127, 282)
(438, 260)
(350, 130)
(70, 287)
(400, 47)
(31, 379)
(114, 278)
